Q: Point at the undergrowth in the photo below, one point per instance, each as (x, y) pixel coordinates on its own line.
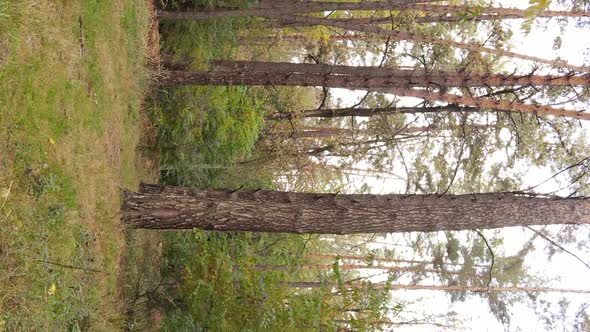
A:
(213, 280)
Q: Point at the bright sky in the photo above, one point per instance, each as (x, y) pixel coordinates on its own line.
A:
(571, 273)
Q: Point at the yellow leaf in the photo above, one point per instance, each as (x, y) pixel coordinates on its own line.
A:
(51, 141)
(52, 289)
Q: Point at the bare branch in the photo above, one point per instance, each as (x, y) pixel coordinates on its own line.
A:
(491, 254)
(558, 246)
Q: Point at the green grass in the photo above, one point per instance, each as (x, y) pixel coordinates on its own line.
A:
(69, 123)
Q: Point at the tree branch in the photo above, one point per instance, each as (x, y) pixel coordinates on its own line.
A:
(491, 254)
(548, 239)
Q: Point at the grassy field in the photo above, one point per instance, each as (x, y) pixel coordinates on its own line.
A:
(72, 81)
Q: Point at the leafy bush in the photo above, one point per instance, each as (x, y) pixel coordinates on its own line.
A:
(201, 130)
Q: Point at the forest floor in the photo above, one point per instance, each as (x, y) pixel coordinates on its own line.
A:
(72, 82)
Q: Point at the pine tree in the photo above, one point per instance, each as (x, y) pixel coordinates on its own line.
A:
(161, 207)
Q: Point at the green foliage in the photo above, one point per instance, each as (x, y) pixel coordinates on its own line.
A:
(224, 284)
(535, 8)
(223, 281)
(470, 13)
(201, 130)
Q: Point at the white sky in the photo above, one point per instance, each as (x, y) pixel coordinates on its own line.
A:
(571, 273)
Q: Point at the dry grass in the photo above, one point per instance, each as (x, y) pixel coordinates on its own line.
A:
(72, 80)
(153, 51)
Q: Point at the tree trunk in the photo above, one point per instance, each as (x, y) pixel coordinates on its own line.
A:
(368, 112)
(285, 14)
(490, 104)
(313, 133)
(286, 23)
(301, 38)
(161, 207)
(294, 7)
(365, 82)
(329, 267)
(380, 260)
(385, 85)
(451, 288)
(499, 12)
(370, 77)
(448, 13)
(343, 132)
(401, 35)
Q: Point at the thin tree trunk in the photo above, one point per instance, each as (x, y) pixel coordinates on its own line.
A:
(351, 82)
(482, 18)
(339, 132)
(301, 37)
(369, 144)
(368, 321)
(379, 76)
(368, 112)
(490, 104)
(285, 23)
(499, 11)
(313, 133)
(315, 267)
(380, 260)
(449, 13)
(162, 207)
(401, 35)
(451, 288)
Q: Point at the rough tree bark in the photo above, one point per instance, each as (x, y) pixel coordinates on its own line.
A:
(299, 7)
(399, 77)
(351, 81)
(161, 207)
(378, 84)
(447, 13)
(294, 7)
